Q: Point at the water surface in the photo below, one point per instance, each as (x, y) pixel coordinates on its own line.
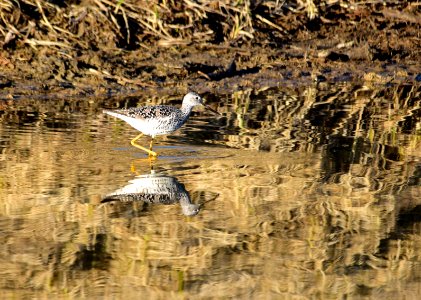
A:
(306, 193)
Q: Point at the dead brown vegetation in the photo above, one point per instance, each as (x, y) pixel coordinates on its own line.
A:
(119, 41)
(132, 24)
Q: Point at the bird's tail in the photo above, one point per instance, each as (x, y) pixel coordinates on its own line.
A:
(112, 113)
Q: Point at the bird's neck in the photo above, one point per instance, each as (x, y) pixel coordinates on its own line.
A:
(186, 109)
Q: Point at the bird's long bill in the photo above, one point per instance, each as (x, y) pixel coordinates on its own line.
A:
(211, 109)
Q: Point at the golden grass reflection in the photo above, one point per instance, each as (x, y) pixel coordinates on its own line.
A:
(285, 213)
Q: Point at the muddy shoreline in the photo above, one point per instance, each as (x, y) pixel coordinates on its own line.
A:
(371, 44)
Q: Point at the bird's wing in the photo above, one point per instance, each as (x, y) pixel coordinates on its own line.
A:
(148, 112)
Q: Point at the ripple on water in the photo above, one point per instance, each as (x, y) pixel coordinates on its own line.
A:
(320, 179)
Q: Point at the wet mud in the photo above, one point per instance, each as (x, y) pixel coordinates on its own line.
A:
(83, 48)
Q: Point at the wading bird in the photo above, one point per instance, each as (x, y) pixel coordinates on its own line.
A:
(158, 119)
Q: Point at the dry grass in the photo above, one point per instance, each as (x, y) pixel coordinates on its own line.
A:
(132, 23)
(150, 43)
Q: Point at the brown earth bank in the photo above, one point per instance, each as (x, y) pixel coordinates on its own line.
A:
(101, 47)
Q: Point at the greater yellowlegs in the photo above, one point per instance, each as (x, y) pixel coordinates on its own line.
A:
(158, 119)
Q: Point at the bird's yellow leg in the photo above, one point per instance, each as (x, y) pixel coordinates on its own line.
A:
(150, 149)
(133, 142)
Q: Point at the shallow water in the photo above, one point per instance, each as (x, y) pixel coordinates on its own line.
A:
(306, 193)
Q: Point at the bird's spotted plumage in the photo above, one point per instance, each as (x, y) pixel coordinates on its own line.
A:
(158, 119)
(150, 112)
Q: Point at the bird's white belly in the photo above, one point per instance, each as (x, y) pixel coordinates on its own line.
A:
(153, 127)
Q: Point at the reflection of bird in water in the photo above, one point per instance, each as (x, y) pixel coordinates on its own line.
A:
(158, 119)
(155, 188)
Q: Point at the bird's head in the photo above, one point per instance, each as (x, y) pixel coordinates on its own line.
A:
(193, 99)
